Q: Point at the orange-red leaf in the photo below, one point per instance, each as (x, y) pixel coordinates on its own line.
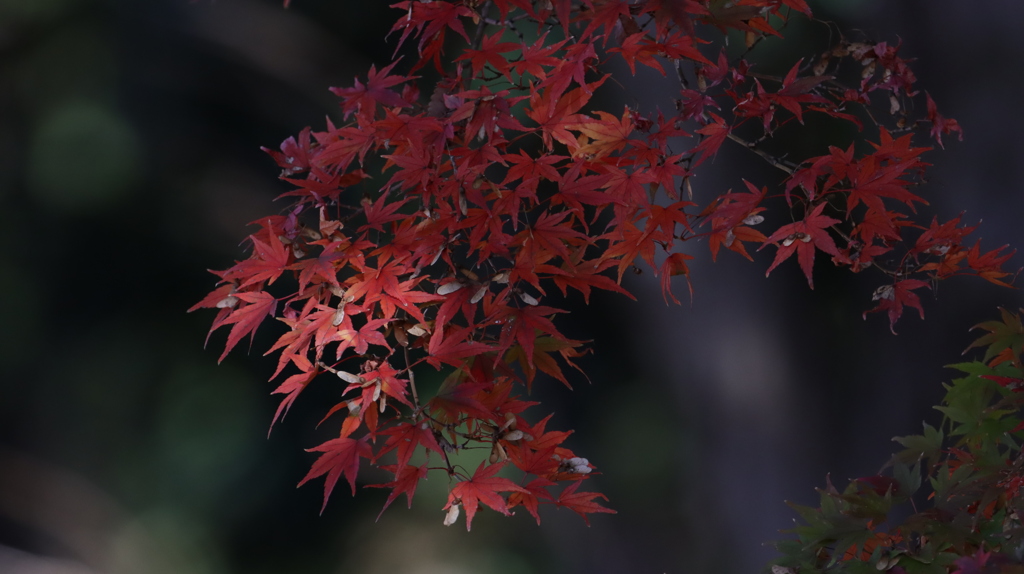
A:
(483, 487)
(341, 458)
(582, 503)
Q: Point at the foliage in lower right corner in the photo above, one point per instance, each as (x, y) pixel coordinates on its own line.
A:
(951, 501)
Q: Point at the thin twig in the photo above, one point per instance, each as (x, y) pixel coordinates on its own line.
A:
(776, 162)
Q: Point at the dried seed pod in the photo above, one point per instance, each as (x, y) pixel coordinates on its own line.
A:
(449, 288)
(400, 336)
(350, 378)
(883, 292)
(339, 315)
(228, 302)
(452, 515)
(478, 295)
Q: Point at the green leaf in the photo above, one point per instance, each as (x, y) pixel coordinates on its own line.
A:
(908, 478)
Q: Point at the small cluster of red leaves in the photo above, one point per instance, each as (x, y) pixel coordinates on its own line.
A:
(429, 225)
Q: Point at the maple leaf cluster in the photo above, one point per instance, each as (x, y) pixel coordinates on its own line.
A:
(429, 224)
(949, 502)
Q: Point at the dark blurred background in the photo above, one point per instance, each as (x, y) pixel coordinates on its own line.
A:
(130, 163)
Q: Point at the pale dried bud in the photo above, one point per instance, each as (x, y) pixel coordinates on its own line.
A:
(452, 516)
(376, 395)
(750, 38)
(821, 66)
(417, 331)
(576, 464)
(446, 445)
(510, 422)
(501, 278)
(449, 288)
(730, 237)
(339, 315)
(228, 302)
(788, 241)
(805, 238)
(894, 104)
(883, 292)
(753, 219)
(528, 299)
(478, 295)
(514, 435)
(350, 378)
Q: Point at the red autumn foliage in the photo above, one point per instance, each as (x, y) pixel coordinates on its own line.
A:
(429, 227)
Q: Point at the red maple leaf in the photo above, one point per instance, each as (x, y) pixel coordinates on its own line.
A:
(365, 98)
(406, 481)
(457, 398)
(940, 124)
(530, 500)
(537, 56)
(582, 503)
(291, 387)
(268, 262)
(490, 53)
(246, 317)
(639, 48)
(522, 326)
(603, 136)
(892, 299)
(341, 458)
(804, 237)
(715, 135)
(673, 265)
(406, 437)
(453, 347)
(989, 266)
(483, 487)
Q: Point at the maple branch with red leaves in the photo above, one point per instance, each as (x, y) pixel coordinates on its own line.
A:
(438, 218)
